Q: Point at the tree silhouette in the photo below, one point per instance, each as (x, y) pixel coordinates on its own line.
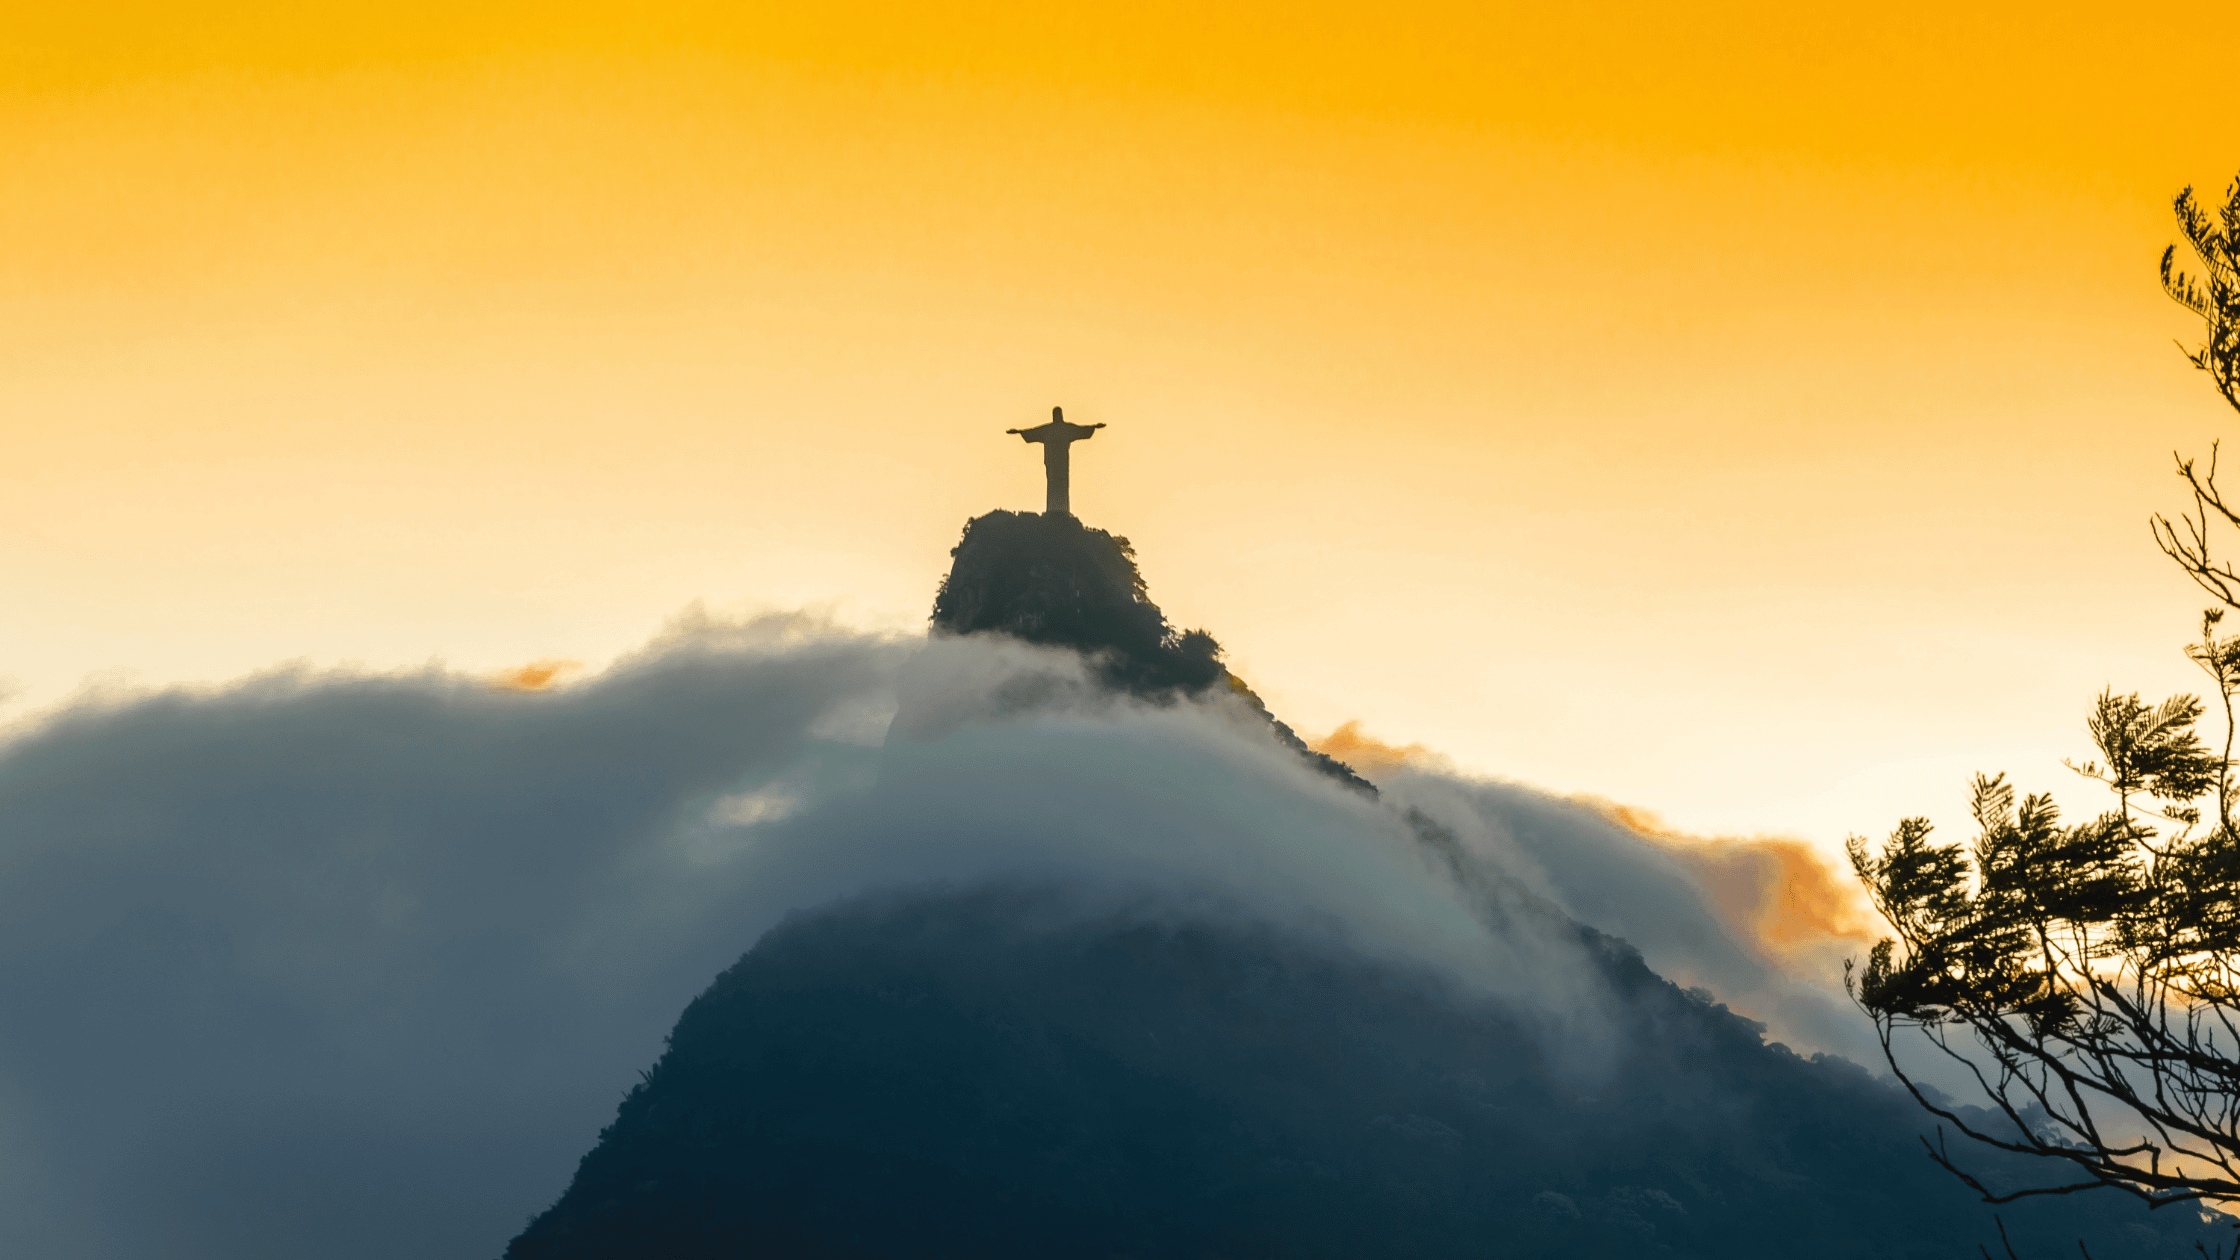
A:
(2215, 295)
(2086, 977)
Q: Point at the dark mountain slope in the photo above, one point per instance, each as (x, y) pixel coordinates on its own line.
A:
(998, 1073)
(991, 1075)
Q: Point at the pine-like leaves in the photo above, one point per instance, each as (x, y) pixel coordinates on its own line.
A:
(2096, 967)
(2215, 294)
(2091, 960)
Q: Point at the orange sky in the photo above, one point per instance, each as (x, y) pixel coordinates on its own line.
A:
(1746, 413)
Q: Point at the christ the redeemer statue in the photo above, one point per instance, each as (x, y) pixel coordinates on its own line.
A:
(1055, 437)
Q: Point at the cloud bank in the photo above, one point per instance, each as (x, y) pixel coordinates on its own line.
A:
(279, 958)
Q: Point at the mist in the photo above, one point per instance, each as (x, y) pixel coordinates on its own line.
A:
(281, 956)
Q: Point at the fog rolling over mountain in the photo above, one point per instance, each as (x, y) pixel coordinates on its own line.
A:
(1019, 953)
(1389, 1042)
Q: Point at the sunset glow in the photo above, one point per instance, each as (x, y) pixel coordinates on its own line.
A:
(1749, 413)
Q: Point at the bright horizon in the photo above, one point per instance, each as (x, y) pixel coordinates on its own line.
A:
(1750, 418)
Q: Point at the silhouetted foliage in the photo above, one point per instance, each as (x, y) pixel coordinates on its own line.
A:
(1049, 579)
(2091, 965)
(2093, 970)
(2214, 295)
(1002, 1074)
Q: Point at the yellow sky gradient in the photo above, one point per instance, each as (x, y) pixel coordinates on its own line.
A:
(1744, 413)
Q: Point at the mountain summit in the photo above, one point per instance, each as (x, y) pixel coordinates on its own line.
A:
(1051, 580)
(1073, 1064)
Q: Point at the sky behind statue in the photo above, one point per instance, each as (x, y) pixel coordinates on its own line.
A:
(1746, 413)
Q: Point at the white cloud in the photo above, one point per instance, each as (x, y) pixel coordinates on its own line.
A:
(282, 960)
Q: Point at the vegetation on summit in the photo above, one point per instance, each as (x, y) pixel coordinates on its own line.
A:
(1050, 579)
